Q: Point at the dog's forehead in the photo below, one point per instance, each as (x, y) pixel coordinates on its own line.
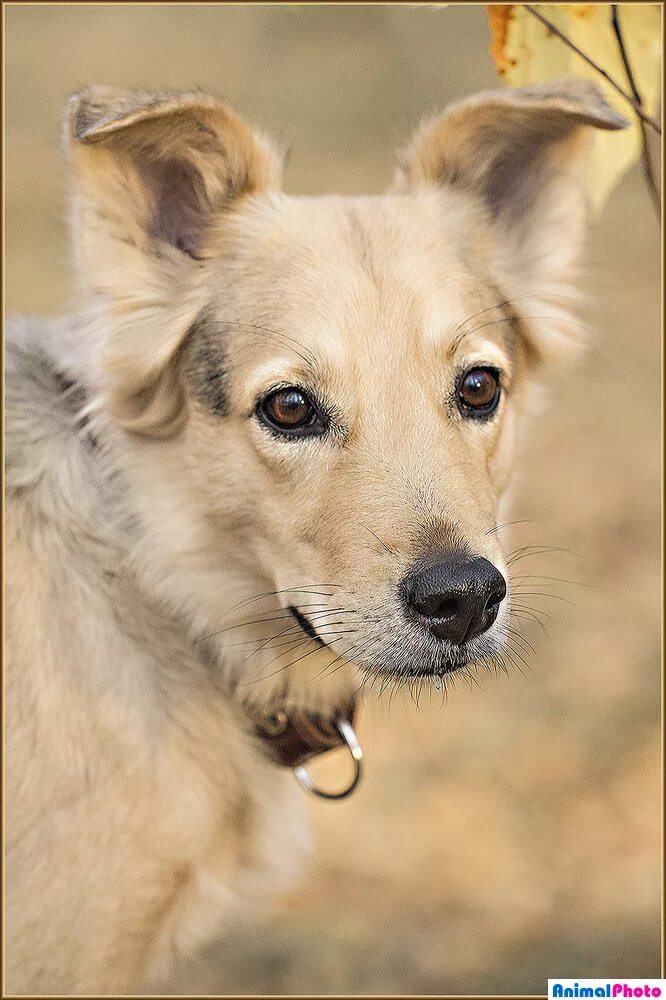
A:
(349, 264)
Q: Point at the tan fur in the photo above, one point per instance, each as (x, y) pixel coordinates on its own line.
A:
(146, 517)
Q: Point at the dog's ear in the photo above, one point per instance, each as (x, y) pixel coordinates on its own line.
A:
(521, 155)
(158, 169)
(154, 177)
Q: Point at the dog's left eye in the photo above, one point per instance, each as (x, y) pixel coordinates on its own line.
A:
(291, 412)
(478, 393)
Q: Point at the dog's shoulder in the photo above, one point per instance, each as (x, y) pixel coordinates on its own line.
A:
(41, 404)
(53, 471)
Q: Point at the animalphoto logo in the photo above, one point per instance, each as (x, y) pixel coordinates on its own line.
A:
(613, 988)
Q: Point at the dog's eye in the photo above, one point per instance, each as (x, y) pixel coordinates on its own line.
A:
(479, 392)
(289, 410)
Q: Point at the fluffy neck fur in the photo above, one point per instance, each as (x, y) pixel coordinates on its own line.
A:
(135, 756)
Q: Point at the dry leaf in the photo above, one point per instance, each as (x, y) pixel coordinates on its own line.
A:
(499, 15)
(526, 52)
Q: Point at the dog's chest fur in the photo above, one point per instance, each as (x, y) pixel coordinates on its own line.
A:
(142, 813)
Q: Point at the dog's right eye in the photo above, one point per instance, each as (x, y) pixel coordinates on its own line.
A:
(291, 412)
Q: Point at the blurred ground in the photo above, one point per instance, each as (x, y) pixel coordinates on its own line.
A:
(512, 833)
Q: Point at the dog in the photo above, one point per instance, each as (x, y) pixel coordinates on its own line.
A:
(262, 460)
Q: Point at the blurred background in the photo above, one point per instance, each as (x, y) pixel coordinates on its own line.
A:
(510, 831)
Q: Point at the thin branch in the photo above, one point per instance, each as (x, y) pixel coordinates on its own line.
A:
(645, 151)
(567, 41)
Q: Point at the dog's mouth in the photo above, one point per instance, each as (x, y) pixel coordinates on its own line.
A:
(306, 625)
(421, 663)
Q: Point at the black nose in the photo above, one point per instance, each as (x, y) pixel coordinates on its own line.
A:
(459, 595)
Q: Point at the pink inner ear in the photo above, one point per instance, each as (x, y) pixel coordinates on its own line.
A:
(181, 204)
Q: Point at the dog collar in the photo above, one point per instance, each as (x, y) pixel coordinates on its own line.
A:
(294, 737)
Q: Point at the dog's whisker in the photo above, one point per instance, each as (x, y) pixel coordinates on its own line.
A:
(468, 674)
(272, 643)
(316, 649)
(515, 649)
(554, 579)
(548, 296)
(317, 615)
(350, 652)
(256, 621)
(526, 551)
(308, 357)
(381, 541)
(525, 610)
(286, 666)
(289, 590)
(510, 631)
(326, 671)
(555, 318)
(300, 643)
(508, 524)
(531, 618)
(538, 612)
(509, 655)
(498, 664)
(274, 618)
(262, 644)
(540, 593)
(264, 677)
(294, 628)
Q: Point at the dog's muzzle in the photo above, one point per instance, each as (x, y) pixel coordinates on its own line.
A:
(294, 737)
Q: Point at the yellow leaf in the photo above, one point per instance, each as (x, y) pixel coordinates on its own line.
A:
(525, 51)
(499, 16)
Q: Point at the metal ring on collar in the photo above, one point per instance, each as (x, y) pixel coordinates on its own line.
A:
(346, 730)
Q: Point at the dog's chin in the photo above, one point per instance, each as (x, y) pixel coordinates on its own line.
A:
(436, 661)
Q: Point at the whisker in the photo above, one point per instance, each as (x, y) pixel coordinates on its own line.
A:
(545, 296)
(525, 616)
(498, 663)
(292, 663)
(569, 320)
(292, 628)
(539, 593)
(274, 618)
(538, 550)
(256, 621)
(361, 647)
(508, 524)
(535, 550)
(308, 357)
(555, 579)
(527, 646)
(471, 678)
(285, 666)
(288, 590)
(517, 652)
(300, 642)
(381, 541)
(261, 643)
(535, 611)
(509, 656)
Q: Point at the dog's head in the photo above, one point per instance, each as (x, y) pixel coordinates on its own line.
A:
(319, 396)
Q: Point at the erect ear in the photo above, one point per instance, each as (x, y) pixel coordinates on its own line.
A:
(153, 177)
(521, 155)
(157, 169)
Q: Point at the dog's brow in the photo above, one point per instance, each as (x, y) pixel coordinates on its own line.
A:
(506, 323)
